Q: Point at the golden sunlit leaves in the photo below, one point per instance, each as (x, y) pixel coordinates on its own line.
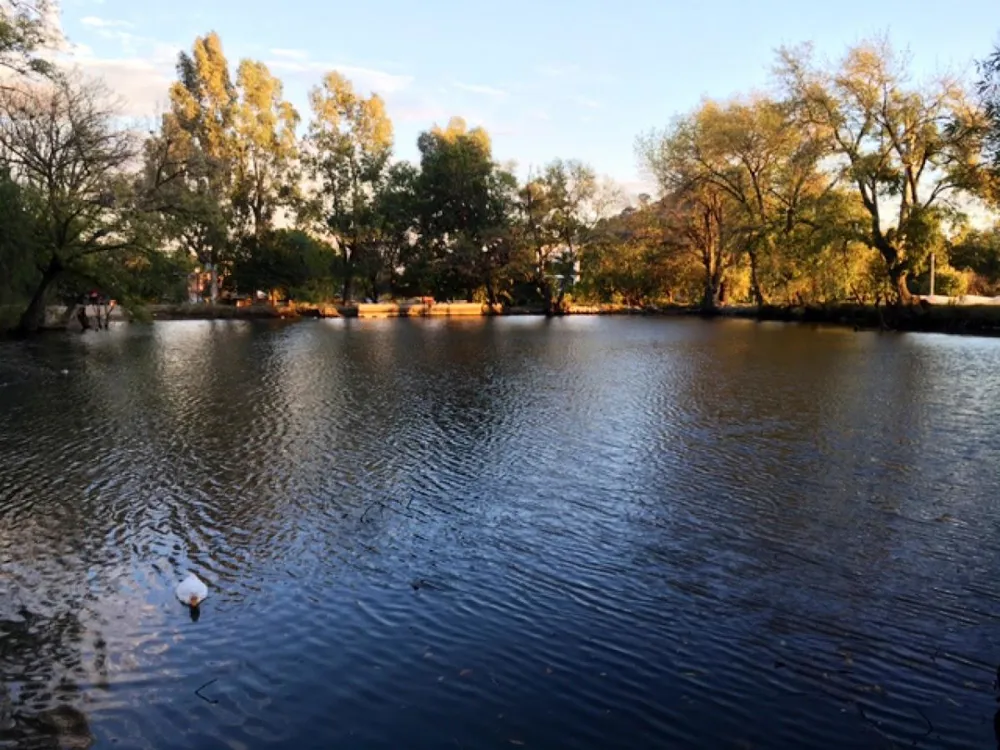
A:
(905, 148)
(266, 146)
(347, 151)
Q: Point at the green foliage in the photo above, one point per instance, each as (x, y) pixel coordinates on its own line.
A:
(989, 93)
(633, 260)
(907, 149)
(838, 189)
(20, 243)
(978, 253)
(347, 153)
(464, 202)
(289, 262)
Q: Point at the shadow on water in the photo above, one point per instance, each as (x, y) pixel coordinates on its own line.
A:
(573, 533)
(40, 700)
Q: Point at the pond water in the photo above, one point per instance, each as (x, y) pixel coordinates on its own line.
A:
(581, 533)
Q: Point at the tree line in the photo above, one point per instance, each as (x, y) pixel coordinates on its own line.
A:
(837, 188)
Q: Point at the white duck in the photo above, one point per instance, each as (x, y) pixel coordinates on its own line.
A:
(192, 590)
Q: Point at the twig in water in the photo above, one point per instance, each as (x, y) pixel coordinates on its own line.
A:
(930, 727)
(198, 691)
(873, 724)
(372, 505)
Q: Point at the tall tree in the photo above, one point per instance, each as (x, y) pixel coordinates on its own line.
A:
(348, 147)
(465, 201)
(20, 249)
(907, 150)
(62, 145)
(559, 208)
(265, 149)
(200, 126)
(395, 212)
(989, 94)
(698, 210)
(768, 164)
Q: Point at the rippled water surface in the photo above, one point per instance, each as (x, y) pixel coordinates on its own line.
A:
(584, 533)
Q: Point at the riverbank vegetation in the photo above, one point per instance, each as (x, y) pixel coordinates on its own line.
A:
(844, 186)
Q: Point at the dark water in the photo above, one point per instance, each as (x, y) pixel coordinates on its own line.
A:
(587, 533)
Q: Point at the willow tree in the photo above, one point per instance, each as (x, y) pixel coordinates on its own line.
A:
(347, 153)
(908, 150)
(265, 149)
(767, 164)
(701, 212)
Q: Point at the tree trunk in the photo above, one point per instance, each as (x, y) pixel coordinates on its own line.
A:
(558, 307)
(898, 275)
(896, 267)
(214, 285)
(34, 316)
(348, 289)
(713, 287)
(708, 296)
(545, 291)
(491, 295)
(758, 295)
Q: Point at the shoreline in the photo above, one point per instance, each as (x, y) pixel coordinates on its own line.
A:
(976, 320)
(923, 317)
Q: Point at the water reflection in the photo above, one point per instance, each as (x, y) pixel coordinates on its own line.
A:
(576, 533)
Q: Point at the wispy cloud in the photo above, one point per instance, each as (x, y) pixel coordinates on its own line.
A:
(104, 23)
(140, 75)
(369, 79)
(476, 88)
(290, 54)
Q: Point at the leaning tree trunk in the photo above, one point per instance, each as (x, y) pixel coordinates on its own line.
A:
(34, 316)
(896, 267)
(899, 275)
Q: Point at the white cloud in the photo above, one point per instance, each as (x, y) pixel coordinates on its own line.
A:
(476, 88)
(103, 23)
(141, 84)
(368, 79)
(293, 54)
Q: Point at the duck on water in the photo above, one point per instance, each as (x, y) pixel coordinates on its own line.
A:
(192, 591)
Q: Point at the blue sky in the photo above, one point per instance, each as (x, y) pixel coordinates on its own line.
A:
(547, 78)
